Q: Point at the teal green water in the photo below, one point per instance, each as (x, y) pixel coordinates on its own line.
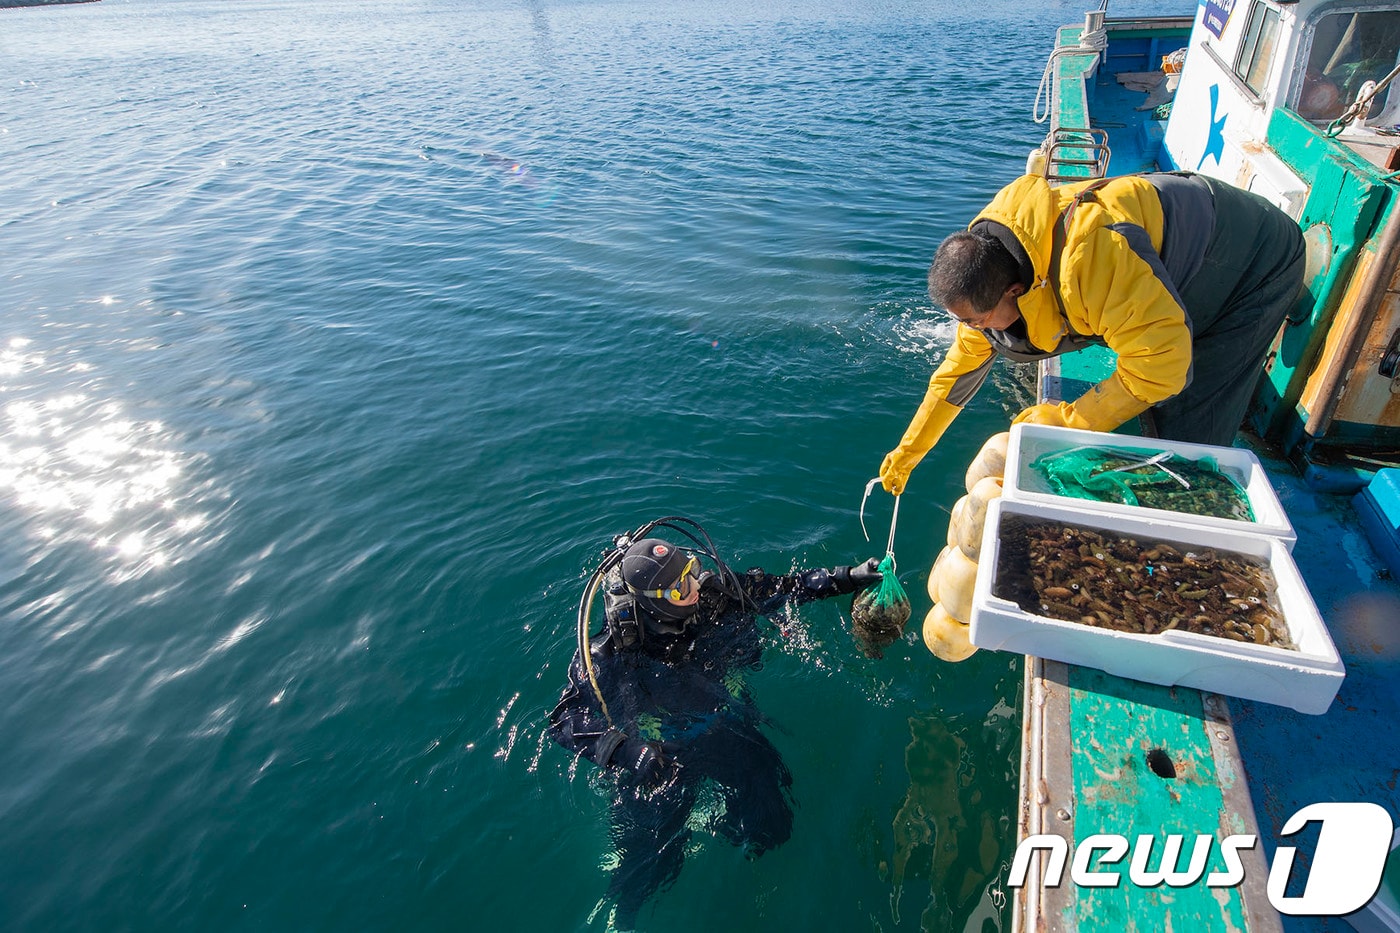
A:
(337, 339)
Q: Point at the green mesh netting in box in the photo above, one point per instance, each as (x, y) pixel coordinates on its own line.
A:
(1155, 480)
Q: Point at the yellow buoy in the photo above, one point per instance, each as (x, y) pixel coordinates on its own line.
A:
(946, 637)
(970, 538)
(990, 460)
(933, 572)
(955, 519)
(986, 489)
(974, 516)
(956, 575)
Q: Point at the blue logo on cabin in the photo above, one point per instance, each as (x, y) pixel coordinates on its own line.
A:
(1215, 14)
(1215, 136)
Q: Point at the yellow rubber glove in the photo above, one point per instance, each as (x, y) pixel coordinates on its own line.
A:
(928, 425)
(1102, 408)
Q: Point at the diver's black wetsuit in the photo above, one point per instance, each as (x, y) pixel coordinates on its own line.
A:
(688, 718)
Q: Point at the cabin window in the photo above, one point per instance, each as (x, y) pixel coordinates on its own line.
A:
(1348, 49)
(1257, 50)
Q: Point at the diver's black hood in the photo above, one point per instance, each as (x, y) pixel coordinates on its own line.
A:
(653, 564)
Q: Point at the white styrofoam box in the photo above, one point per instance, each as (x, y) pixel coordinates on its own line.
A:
(1029, 442)
(1306, 679)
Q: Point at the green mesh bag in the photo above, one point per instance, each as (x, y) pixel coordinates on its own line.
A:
(1160, 480)
(879, 612)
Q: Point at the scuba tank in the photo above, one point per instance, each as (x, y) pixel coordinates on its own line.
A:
(620, 610)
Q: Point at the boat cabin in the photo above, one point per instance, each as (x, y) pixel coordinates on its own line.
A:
(1299, 103)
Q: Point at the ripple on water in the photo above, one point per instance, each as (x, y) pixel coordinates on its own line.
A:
(338, 339)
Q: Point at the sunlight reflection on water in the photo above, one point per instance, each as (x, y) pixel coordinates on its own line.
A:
(87, 471)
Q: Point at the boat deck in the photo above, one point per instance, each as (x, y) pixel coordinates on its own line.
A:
(1353, 751)
(1107, 755)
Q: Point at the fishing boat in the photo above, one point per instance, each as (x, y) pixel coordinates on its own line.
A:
(1293, 101)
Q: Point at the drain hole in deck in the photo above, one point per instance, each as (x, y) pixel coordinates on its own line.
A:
(1161, 763)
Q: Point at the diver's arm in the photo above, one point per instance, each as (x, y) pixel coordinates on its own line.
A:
(577, 721)
(578, 724)
(769, 591)
(610, 747)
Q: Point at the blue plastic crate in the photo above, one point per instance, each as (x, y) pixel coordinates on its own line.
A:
(1378, 506)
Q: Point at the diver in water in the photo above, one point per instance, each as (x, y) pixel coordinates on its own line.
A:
(659, 700)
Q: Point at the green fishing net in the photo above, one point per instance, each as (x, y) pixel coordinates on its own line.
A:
(1155, 480)
(878, 612)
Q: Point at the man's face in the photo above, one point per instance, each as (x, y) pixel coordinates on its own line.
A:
(1003, 315)
(686, 592)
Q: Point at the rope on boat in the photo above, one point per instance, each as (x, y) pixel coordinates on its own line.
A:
(1092, 41)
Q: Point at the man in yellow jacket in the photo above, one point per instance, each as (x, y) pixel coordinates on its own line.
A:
(1185, 277)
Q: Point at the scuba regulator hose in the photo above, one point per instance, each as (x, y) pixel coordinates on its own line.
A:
(728, 580)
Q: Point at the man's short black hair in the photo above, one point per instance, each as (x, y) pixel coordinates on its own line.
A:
(974, 268)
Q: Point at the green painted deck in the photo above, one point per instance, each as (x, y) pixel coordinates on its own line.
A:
(1109, 755)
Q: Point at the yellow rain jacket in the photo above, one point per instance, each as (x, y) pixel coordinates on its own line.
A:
(1107, 292)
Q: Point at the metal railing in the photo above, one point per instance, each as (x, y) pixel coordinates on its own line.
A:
(1073, 154)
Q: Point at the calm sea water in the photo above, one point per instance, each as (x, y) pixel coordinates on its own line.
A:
(337, 339)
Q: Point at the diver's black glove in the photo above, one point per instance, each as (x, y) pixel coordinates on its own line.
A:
(650, 766)
(851, 579)
(866, 574)
(649, 761)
